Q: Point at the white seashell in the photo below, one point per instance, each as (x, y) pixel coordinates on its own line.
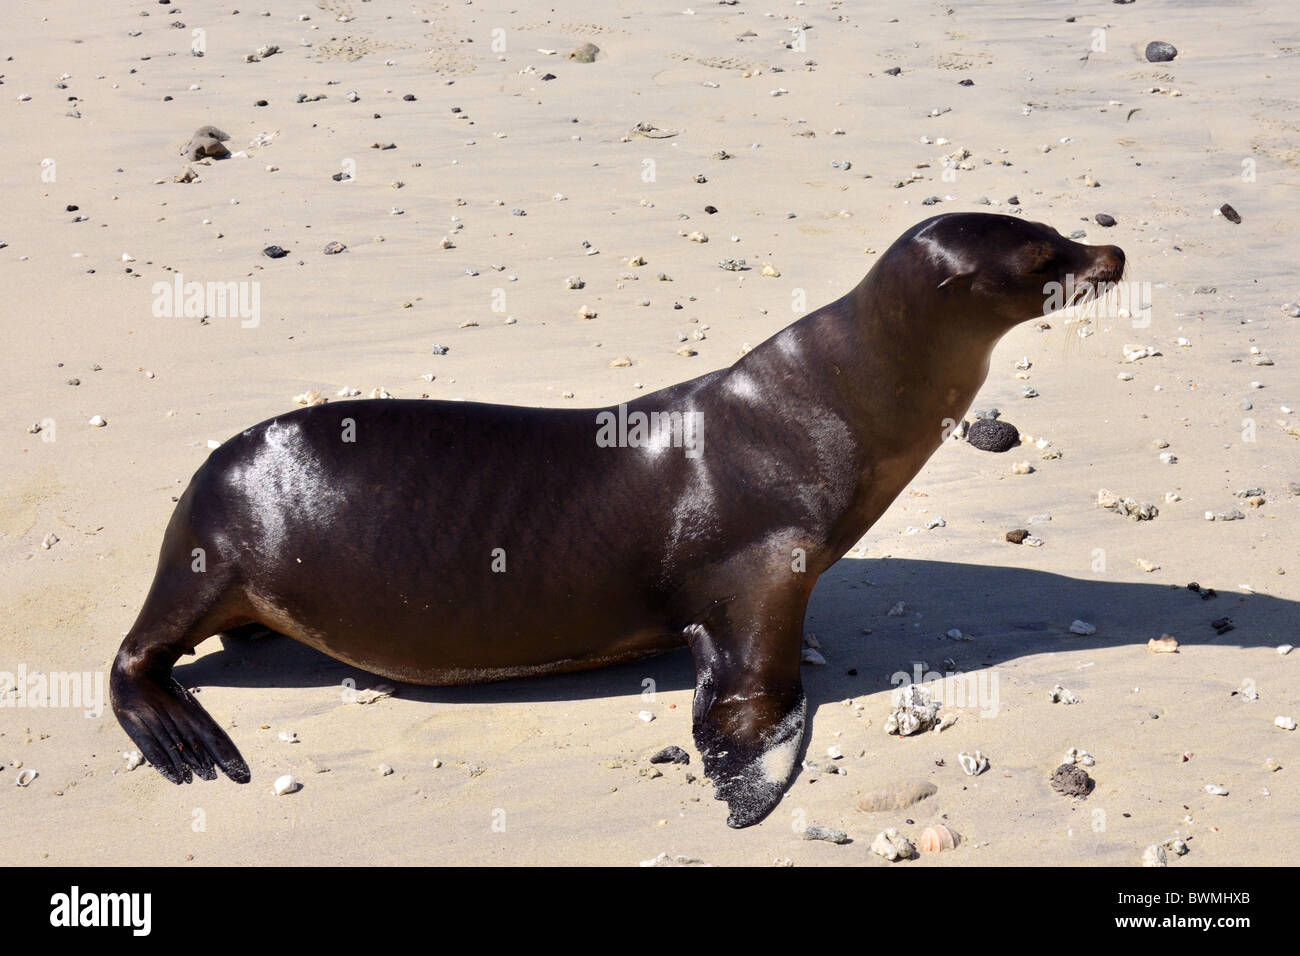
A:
(1217, 789)
(1285, 723)
(914, 712)
(1059, 695)
(133, 759)
(1133, 353)
(288, 737)
(645, 716)
(1284, 649)
(1081, 757)
(810, 655)
(835, 753)
(97, 421)
(1154, 855)
(25, 777)
(1176, 846)
(1082, 627)
(49, 541)
(285, 784)
(973, 763)
(892, 845)
(372, 694)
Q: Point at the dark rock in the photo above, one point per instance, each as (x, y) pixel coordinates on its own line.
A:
(1104, 219)
(671, 755)
(1230, 214)
(274, 252)
(1158, 51)
(1018, 536)
(1071, 780)
(988, 434)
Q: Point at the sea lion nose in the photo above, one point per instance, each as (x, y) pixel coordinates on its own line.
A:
(1111, 258)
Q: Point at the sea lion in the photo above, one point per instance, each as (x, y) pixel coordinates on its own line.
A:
(456, 542)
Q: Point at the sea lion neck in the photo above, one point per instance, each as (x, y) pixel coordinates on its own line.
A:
(881, 353)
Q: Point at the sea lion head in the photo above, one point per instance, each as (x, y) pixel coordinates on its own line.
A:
(1005, 270)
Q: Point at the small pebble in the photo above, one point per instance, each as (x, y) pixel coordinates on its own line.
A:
(818, 832)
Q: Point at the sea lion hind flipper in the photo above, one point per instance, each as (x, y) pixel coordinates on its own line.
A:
(748, 727)
(173, 731)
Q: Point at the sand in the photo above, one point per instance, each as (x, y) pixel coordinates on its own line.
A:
(555, 770)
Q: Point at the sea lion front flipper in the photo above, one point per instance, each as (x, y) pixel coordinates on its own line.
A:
(749, 715)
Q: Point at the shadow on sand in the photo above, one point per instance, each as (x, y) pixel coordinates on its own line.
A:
(1010, 612)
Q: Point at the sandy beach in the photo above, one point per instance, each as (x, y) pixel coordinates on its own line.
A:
(471, 166)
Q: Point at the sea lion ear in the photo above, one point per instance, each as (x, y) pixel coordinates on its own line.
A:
(957, 279)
